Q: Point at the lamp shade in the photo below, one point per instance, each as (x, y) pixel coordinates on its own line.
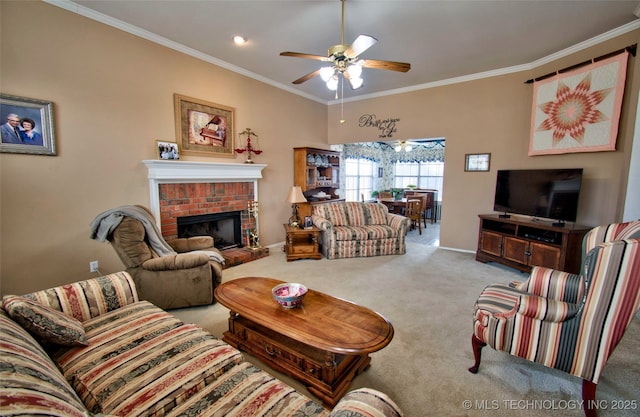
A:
(295, 195)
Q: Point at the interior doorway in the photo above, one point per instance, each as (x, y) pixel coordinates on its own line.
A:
(371, 167)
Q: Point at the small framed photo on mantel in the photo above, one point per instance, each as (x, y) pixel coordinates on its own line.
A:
(477, 162)
(167, 151)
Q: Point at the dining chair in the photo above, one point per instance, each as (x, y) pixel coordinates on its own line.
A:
(427, 200)
(413, 210)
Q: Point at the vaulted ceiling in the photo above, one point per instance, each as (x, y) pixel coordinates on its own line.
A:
(442, 40)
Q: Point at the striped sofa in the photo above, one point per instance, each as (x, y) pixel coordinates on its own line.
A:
(355, 229)
(93, 348)
(566, 321)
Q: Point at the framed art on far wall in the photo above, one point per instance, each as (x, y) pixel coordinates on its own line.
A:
(204, 128)
(27, 126)
(477, 162)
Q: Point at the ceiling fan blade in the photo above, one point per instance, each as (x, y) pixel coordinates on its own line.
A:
(307, 77)
(308, 56)
(386, 65)
(361, 44)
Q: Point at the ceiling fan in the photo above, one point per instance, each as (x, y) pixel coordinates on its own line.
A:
(344, 60)
(405, 145)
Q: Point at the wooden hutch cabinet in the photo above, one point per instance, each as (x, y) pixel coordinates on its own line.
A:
(316, 171)
(523, 243)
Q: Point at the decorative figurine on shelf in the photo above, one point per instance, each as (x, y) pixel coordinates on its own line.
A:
(249, 149)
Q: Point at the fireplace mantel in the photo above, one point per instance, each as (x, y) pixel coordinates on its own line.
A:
(166, 172)
(186, 171)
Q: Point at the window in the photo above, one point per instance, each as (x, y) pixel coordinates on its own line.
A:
(358, 178)
(423, 174)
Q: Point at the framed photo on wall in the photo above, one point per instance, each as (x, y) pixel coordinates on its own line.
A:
(167, 150)
(477, 162)
(27, 126)
(204, 128)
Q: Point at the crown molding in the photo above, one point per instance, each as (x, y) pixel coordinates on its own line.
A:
(631, 26)
(134, 30)
(145, 34)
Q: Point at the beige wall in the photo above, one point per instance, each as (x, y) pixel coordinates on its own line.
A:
(113, 97)
(493, 115)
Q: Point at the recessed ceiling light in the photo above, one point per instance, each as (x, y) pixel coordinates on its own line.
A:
(239, 40)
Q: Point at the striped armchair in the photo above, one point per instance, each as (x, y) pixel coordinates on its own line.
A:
(566, 321)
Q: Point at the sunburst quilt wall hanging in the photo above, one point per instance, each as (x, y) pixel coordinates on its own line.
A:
(579, 111)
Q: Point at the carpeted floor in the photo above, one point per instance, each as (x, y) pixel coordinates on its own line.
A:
(428, 295)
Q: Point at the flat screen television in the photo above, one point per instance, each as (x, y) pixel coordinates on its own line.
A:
(546, 193)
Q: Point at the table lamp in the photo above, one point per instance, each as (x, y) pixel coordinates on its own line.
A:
(295, 197)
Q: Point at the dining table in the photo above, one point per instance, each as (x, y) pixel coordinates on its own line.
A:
(395, 206)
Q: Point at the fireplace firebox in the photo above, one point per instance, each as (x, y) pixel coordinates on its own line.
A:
(225, 228)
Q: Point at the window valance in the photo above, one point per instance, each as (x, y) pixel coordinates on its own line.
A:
(431, 151)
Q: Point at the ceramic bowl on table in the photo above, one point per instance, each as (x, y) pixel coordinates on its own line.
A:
(289, 295)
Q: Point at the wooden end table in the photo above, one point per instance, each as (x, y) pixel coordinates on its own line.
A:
(302, 243)
(324, 344)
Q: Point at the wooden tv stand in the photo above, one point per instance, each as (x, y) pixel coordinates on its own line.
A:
(522, 243)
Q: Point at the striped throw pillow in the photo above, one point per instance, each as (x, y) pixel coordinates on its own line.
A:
(45, 324)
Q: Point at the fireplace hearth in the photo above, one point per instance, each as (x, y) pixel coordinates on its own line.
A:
(225, 228)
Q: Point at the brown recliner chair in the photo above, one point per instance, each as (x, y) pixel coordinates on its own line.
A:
(174, 274)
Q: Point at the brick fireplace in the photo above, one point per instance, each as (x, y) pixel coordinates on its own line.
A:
(185, 200)
(181, 189)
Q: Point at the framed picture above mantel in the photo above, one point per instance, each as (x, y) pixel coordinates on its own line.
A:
(204, 128)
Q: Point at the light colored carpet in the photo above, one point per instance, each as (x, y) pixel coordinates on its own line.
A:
(428, 295)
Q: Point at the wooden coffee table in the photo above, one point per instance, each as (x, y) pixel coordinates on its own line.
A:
(324, 344)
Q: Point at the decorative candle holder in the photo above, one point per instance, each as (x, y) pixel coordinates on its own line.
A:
(248, 148)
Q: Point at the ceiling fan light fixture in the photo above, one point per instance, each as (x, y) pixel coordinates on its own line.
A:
(403, 145)
(355, 70)
(326, 73)
(332, 84)
(345, 62)
(356, 82)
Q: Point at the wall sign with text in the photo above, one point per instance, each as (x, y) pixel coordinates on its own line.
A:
(386, 127)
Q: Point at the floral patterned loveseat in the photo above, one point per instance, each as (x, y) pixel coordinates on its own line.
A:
(355, 229)
(93, 347)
